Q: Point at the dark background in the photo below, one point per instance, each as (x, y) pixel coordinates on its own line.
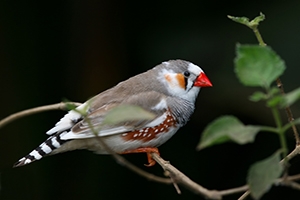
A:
(55, 50)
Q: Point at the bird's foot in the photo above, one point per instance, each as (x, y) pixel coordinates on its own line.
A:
(148, 150)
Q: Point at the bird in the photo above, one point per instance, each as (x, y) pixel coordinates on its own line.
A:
(168, 91)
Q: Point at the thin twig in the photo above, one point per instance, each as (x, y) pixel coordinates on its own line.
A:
(179, 177)
(291, 184)
(244, 196)
(293, 177)
(291, 155)
(139, 171)
(234, 190)
(121, 160)
(289, 113)
(186, 181)
(175, 184)
(24, 113)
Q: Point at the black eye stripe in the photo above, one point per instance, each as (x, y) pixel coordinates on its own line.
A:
(185, 82)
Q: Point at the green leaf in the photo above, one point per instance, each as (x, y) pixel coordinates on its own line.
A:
(227, 128)
(241, 20)
(244, 20)
(262, 175)
(257, 66)
(274, 91)
(257, 20)
(126, 113)
(258, 96)
(275, 101)
(290, 98)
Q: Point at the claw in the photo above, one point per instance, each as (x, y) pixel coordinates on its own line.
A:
(151, 161)
(148, 150)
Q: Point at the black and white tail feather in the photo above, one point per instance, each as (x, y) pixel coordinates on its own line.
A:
(54, 141)
(47, 147)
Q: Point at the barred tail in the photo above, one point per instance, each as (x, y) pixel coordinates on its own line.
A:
(52, 143)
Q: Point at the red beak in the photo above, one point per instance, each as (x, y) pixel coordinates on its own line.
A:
(202, 81)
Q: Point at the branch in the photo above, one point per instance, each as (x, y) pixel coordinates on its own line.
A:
(291, 155)
(179, 177)
(24, 113)
(139, 171)
(289, 113)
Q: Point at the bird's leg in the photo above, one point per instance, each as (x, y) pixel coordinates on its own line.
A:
(147, 150)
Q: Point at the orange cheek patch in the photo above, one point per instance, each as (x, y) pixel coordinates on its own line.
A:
(181, 80)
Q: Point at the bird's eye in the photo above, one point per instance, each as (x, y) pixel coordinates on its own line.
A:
(186, 73)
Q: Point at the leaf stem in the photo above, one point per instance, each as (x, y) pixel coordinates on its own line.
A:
(280, 131)
(258, 36)
(269, 129)
(291, 124)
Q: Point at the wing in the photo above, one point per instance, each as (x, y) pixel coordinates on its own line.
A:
(153, 102)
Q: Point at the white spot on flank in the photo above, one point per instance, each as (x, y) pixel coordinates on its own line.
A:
(124, 134)
(144, 134)
(147, 129)
(149, 135)
(135, 135)
(161, 129)
(156, 130)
